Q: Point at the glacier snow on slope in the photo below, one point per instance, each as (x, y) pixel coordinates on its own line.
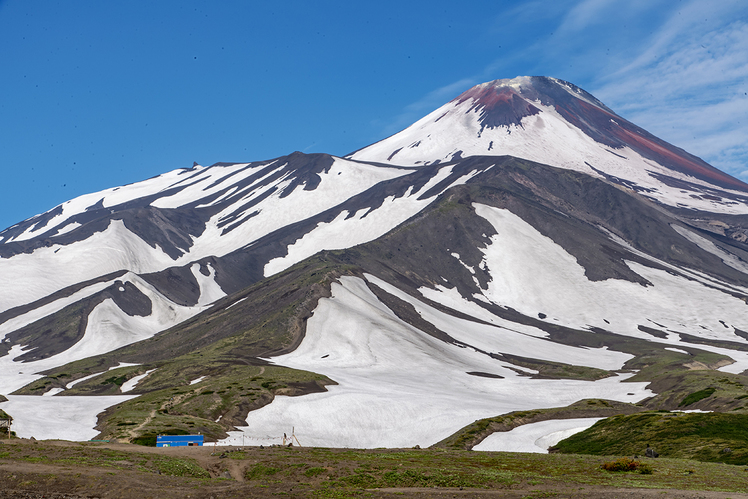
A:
(508, 337)
(30, 276)
(532, 274)
(364, 226)
(107, 329)
(27, 277)
(398, 386)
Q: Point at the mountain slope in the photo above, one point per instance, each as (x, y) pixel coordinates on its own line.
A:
(189, 288)
(172, 220)
(440, 313)
(398, 294)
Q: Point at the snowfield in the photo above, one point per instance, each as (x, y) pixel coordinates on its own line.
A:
(344, 180)
(532, 274)
(108, 328)
(399, 387)
(28, 277)
(65, 418)
(507, 337)
(39, 313)
(404, 387)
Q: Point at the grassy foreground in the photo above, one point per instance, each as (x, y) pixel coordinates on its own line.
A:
(80, 469)
(332, 471)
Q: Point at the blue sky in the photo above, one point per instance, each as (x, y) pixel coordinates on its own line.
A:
(97, 94)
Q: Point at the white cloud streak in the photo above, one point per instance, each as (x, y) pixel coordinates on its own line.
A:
(584, 14)
(690, 85)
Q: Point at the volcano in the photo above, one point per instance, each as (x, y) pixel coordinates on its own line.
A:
(520, 248)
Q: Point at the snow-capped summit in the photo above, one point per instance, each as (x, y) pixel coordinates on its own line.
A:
(557, 123)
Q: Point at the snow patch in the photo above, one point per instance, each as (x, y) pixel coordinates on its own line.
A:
(67, 228)
(236, 302)
(535, 437)
(131, 383)
(122, 364)
(80, 380)
(210, 291)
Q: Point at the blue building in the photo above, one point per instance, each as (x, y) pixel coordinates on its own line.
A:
(179, 440)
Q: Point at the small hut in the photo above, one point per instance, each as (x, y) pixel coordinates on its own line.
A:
(179, 441)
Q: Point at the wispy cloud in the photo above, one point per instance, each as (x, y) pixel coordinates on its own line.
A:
(584, 14)
(689, 85)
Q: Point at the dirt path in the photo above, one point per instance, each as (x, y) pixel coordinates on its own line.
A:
(134, 432)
